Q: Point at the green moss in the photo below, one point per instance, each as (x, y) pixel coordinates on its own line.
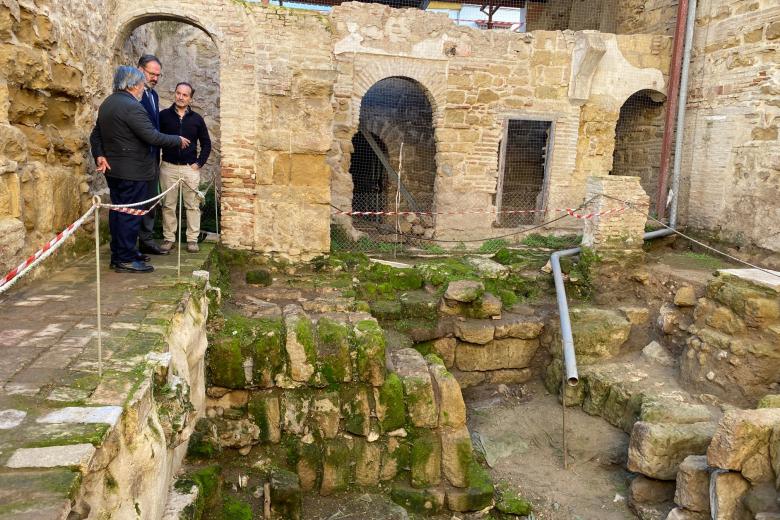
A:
(267, 350)
(259, 277)
(418, 501)
(201, 444)
(509, 502)
(386, 309)
(391, 398)
(425, 447)
(492, 245)
(334, 363)
(581, 274)
(304, 332)
(425, 348)
(441, 272)
(209, 482)
(224, 364)
(769, 401)
(552, 241)
(403, 279)
(480, 487)
(338, 458)
(236, 509)
(56, 435)
(286, 493)
(370, 352)
(110, 482)
(355, 409)
(419, 305)
(258, 412)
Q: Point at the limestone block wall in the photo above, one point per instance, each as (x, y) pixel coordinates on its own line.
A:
(51, 66)
(733, 352)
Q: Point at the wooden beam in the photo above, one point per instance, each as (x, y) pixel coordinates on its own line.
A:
(386, 163)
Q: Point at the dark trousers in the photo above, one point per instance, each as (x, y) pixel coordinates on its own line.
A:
(124, 228)
(146, 232)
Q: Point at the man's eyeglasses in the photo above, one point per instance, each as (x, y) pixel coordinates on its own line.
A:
(153, 74)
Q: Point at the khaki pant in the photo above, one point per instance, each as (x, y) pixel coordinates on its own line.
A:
(169, 174)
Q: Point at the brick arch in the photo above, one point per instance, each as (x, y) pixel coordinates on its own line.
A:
(655, 95)
(430, 81)
(232, 29)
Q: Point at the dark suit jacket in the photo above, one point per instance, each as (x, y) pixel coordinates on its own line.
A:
(123, 134)
(154, 114)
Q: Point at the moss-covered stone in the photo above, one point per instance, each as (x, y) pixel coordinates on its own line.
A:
(403, 279)
(420, 501)
(326, 414)
(209, 482)
(386, 310)
(334, 363)
(286, 497)
(309, 465)
(299, 344)
(511, 503)
(419, 305)
(356, 410)
(236, 509)
(390, 406)
(225, 364)
(258, 277)
(202, 443)
(370, 352)
(769, 401)
(265, 413)
(336, 466)
(425, 463)
(267, 351)
(395, 458)
(477, 496)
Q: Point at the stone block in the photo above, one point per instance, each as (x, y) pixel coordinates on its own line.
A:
(742, 439)
(769, 401)
(487, 306)
(693, 484)
(477, 495)
(336, 466)
(464, 291)
(508, 353)
(418, 387)
(685, 296)
(389, 399)
(598, 334)
(264, 411)
(636, 315)
(356, 410)
(395, 457)
(456, 455)
(368, 458)
(334, 362)
(420, 501)
(425, 459)
(729, 490)
(326, 414)
(475, 331)
(295, 411)
(267, 352)
(286, 496)
(669, 409)
(445, 349)
(654, 352)
(308, 465)
(370, 352)
(486, 267)
(452, 409)
(656, 450)
(419, 305)
(12, 234)
(511, 376)
(644, 490)
(74, 455)
(516, 326)
(299, 343)
(679, 513)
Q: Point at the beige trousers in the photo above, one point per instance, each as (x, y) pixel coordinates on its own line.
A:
(169, 174)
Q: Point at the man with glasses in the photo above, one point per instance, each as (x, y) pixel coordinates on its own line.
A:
(151, 68)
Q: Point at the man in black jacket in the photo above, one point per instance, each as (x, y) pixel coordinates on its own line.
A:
(121, 142)
(183, 163)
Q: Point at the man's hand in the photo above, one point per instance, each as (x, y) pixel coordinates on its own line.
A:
(184, 142)
(195, 166)
(102, 164)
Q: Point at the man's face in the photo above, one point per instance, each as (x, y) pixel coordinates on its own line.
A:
(137, 91)
(152, 72)
(183, 96)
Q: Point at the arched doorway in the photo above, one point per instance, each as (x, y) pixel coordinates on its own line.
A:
(369, 178)
(638, 135)
(187, 53)
(395, 140)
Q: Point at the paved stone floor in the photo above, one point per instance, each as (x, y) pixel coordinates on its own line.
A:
(54, 408)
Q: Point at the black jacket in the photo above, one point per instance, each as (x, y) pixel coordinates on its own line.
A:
(151, 102)
(193, 127)
(123, 135)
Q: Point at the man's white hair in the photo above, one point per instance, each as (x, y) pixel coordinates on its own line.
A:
(126, 77)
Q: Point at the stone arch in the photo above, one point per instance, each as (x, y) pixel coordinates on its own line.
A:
(230, 26)
(638, 135)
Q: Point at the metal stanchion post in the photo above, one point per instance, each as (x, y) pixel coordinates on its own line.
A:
(181, 210)
(216, 206)
(96, 202)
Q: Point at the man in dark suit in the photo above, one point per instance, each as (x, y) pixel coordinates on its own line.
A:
(151, 68)
(121, 145)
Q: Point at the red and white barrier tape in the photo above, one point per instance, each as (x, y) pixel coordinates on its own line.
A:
(8, 280)
(571, 211)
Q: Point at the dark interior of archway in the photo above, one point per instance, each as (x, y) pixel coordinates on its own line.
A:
(638, 135)
(369, 178)
(397, 111)
(524, 170)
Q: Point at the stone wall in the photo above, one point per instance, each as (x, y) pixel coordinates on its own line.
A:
(52, 66)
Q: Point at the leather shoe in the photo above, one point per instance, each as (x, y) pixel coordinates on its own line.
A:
(152, 249)
(143, 258)
(136, 266)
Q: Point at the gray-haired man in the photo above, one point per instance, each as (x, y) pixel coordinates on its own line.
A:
(121, 143)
